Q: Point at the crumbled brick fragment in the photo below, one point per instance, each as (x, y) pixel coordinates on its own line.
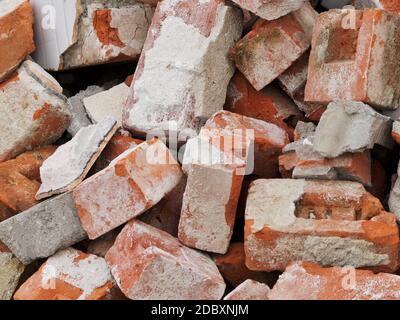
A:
(90, 32)
(249, 290)
(270, 9)
(16, 35)
(133, 183)
(71, 162)
(69, 275)
(20, 180)
(272, 46)
(33, 111)
(150, 264)
(354, 57)
(348, 126)
(42, 230)
(308, 281)
(178, 87)
(332, 223)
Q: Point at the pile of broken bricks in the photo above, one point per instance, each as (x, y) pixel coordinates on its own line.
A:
(235, 150)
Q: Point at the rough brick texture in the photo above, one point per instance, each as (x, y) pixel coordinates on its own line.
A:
(33, 111)
(151, 264)
(134, 182)
(333, 223)
(16, 34)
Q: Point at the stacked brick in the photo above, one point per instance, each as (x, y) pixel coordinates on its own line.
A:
(249, 157)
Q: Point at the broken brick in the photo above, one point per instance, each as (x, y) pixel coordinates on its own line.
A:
(308, 281)
(299, 160)
(355, 61)
(269, 139)
(270, 104)
(80, 118)
(211, 194)
(348, 126)
(270, 9)
(272, 46)
(233, 268)
(150, 264)
(109, 103)
(175, 88)
(33, 111)
(16, 35)
(332, 223)
(71, 162)
(69, 275)
(249, 290)
(20, 180)
(118, 144)
(133, 183)
(293, 82)
(90, 32)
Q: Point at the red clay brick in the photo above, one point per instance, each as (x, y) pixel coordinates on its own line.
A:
(20, 180)
(333, 223)
(132, 184)
(272, 46)
(149, 264)
(16, 35)
(249, 290)
(308, 281)
(355, 64)
(270, 104)
(269, 139)
(69, 275)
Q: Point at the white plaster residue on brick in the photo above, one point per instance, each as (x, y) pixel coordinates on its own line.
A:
(273, 202)
(175, 88)
(70, 161)
(86, 274)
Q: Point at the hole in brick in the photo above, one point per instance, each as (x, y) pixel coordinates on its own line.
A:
(316, 211)
(342, 45)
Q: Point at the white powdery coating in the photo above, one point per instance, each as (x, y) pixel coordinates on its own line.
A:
(203, 219)
(200, 151)
(164, 90)
(167, 270)
(374, 288)
(174, 89)
(270, 9)
(292, 282)
(249, 290)
(20, 103)
(281, 194)
(87, 274)
(108, 103)
(70, 161)
(268, 130)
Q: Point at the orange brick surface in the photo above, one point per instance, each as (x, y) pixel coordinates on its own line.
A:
(333, 223)
(308, 281)
(136, 181)
(355, 62)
